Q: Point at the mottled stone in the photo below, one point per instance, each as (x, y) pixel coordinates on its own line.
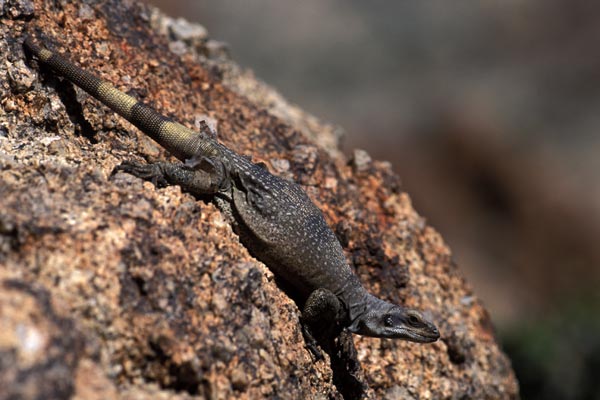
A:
(137, 292)
(85, 12)
(184, 30)
(20, 77)
(361, 160)
(19, 8)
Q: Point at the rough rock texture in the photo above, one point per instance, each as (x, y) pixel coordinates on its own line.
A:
(111, 288)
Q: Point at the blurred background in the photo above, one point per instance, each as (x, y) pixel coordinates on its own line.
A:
(489, 112)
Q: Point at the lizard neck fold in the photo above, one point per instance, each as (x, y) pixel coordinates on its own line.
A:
(355, 297)
(363, 309)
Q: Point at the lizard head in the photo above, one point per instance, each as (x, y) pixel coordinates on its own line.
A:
(391, 321)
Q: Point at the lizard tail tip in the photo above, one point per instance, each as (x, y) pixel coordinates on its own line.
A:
(32, 47)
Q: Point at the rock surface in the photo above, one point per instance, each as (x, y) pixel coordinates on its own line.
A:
(112, 288)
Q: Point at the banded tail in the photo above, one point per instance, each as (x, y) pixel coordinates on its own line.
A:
(179, 140)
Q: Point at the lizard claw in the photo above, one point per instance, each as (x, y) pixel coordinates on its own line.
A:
(147, 172)
(311, 343)
(315, 351)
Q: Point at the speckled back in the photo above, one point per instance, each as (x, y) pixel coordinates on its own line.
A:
(297, 241)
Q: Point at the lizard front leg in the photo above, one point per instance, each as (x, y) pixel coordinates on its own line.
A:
(321, 318)
(195, 179)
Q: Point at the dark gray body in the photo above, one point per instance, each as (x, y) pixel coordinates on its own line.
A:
(275, 218)
(282, 227)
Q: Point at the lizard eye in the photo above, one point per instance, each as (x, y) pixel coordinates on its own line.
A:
(413, 320)
(388, 320)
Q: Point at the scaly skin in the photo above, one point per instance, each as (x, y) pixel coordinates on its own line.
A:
(274, 218)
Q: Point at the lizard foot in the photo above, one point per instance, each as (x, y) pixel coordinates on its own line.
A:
(311, 343)
(148, 172)
(320, 320)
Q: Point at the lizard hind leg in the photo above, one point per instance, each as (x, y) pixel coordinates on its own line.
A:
(321, 318)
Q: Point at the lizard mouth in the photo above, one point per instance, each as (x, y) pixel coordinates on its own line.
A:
(422, 336)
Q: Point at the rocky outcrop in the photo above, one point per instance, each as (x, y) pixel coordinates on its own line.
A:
(112, 288)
